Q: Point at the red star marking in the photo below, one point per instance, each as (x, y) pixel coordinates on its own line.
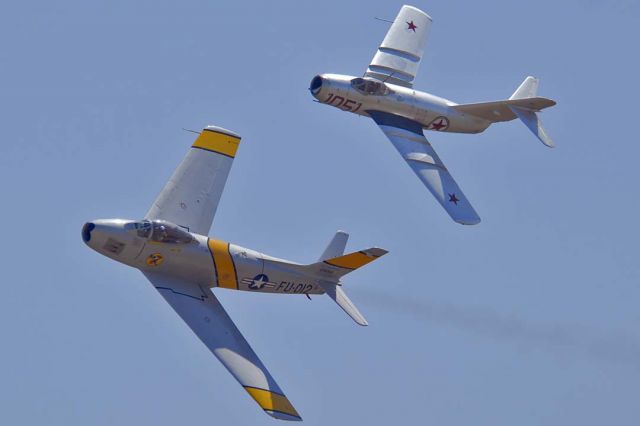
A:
(411, 26)
(439, 125)
(453, 199)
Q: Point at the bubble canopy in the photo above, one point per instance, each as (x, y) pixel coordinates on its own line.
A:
(370, 87)
(160, 231)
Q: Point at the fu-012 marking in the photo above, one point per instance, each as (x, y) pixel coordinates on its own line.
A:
(291, 287)
(261, 282)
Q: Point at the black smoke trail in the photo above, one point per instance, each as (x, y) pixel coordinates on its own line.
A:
(610, 346)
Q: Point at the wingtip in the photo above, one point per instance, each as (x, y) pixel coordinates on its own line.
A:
(410, 7)
(468, 222)
(377, 251)
(274, 403)
(283, 416)
(218, 129)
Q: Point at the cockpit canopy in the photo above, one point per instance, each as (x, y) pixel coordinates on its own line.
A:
(370, 87)
(160, 231)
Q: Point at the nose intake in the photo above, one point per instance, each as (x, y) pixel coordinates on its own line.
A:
(316, 84)
(86, 231)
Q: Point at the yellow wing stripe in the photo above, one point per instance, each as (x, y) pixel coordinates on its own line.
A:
(270, 401)
(223, 264)
(217, 142)
(352, 260)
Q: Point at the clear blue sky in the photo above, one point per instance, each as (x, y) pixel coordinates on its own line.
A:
(529, 318)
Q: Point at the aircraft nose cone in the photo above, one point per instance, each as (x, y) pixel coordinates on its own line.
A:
(86, 231)
(316, 85)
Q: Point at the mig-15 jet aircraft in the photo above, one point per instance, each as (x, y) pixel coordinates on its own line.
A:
(171, 248)
(385, 93)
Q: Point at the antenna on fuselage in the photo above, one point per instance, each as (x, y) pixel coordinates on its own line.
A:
(192, 131)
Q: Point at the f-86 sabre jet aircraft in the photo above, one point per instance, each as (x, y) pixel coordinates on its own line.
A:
(386, 94)
(171, 248)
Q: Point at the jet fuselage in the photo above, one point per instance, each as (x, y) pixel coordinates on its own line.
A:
(360, 95)
(160, 246)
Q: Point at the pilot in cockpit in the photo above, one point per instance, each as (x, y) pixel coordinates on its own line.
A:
(370, 87)
(160, 231)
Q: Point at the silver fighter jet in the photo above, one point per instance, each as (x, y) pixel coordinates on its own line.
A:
(385, 93)
(171, 248)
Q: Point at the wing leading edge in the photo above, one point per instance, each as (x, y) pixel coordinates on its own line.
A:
(191, 196)
(407, 136)
(204, 314)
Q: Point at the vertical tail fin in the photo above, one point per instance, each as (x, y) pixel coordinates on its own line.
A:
(339, 266)
(334, 264)
(529, 89)
(532, 121)
(336, 246)
(338, 295)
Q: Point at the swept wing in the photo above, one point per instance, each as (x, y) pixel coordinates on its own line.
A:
(398, 57)
(407, 136)
(191, 196)
(204, 314)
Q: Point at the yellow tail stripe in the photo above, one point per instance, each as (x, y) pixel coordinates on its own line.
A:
(351, 261)
(217, 142)
(271, 401)
(223, 264)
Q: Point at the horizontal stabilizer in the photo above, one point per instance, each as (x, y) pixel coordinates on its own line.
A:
(523, 104)
(329, 270)
(532, 121)
(502, 110)
(525, 92)
(352, 261)
(336, 267)
(335, 292)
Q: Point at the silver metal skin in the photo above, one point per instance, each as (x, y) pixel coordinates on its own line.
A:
(171, 249)
(191, 261)
(406, 102)
(385, 94)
